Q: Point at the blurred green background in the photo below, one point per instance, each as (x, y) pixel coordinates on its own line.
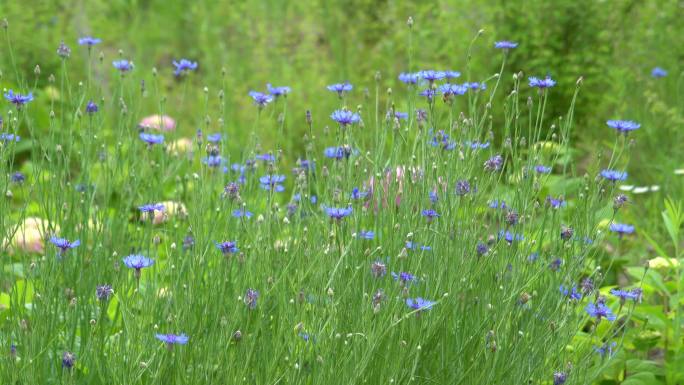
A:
(307, 44)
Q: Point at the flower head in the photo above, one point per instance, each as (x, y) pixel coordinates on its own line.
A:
(338, 213)
(378, 269)
(430, 214)
(419, 303)
(91, 107)
(462, 187)
(5, 137)
(366, 234)
(89, 41)
(621, 229)
(623, 126)
(123, 65)
(242, 213)
(613, 175)
(540, 169)
(18, 178)
(172, 339)
(152, 207)
(599, 311)
(18, 99)
(409, 78)
(449, 90)
(345, 117)
(278, 91)
(103, 292)
(340, 88)
(546, 82)
(339, 152)
(68, 360)
(183, 66)
(572, 293)
(260, 99)
(64, 245)
(559, 378)
(431, 75)
(658, 72)
(137, 261)
(494, 163)
(624, 295)
(429, 94)
(272, 182)
(251, 297)
(505, 44)
(227, 247)
(404, 278)
(151, 139)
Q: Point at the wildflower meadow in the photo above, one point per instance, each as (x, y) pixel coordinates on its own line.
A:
(309, 199)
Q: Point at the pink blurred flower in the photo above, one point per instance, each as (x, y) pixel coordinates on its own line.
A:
(158, 123)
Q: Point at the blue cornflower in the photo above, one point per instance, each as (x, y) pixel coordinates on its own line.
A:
(213, 160)
(572, 294)
(398, 115)
(462, 187)
(546, 82)
(18, 99)
(430, 214)
(432, 195)
(172, 339)
(340, 88)
(251, 297)
(152, 207)
(345, 117)
(475, 86)
(278, 91)
(624, 295)
(475, 145)
(555, 203)
(68, 360)
(306, 165)
(496, 204)
(151, 139)
(272, 182)
(339, 152)
(137, 262)
(451, 74)
(606, 349)
(494, 163)
(214, 138)
(265, 157)
(91, 107)
(227, 247)
(621, 229)
(123, 65)
(510, 237)
(452, 89)
(409, 78)
(412, 246)
(260, 99)
(89, 41)
(63, 245)
(599, 311)
(559, 378)
(658, 72)
(18, 178)
(505, 44)
(357, 194)
(5, 137)
(242, 213)
(184, 66)
(404, 277)
(481, 249)
(366, 234)
(613, 175)
(623, 126)
(431, 75)
(441, 139)
(540, 169)
(419, 303)
(338, 213)
(556, 264)
(429, 93)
